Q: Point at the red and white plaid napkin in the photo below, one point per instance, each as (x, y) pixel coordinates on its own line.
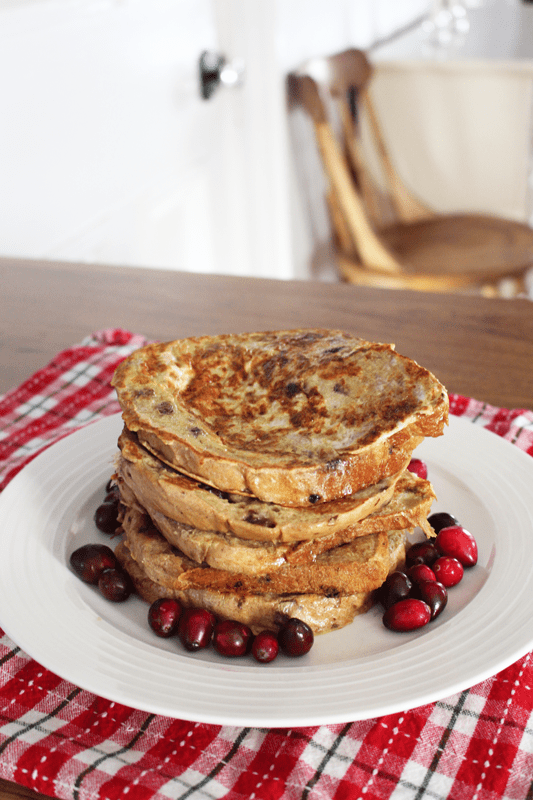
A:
(57, 739)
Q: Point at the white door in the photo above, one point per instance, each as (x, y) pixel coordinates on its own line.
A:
(108, 153)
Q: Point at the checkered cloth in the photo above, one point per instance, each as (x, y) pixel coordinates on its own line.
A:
(57, 739)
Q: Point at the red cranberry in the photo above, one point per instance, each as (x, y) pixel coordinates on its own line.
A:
(90, 560)
(418, 467)
(195, 628)
(164, 615)
(106, 517)
(448, 571)
(231, 638)
(407, 615)
(115, 585)
(421, 553)
(265, 647)
(396, 587)
(459, 543)
(295, 637)
(421, 572)
(441, 519)
(434, 594)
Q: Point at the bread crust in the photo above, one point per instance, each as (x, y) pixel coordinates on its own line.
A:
(408, 509)
(290, 417)
(359, 566)
(260, 612)
(160, 488)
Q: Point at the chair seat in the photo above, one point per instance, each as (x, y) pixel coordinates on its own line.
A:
(477, 247)
(422, 249)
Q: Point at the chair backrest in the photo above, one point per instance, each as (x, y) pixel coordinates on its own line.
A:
(470, 150)
(334, 93)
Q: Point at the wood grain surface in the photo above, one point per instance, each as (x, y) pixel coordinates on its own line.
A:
(13, 791)
(478, 347)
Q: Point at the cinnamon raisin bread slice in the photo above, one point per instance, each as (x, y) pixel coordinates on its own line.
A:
(291, 417)
(359, 566)
(160, 488)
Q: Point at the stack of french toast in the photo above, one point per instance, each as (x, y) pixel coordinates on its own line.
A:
(264, 476)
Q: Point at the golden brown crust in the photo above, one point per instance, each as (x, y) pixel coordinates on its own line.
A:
(291, 417)
(160, 488)
(361, 565)
(408, 508)
(260, 612)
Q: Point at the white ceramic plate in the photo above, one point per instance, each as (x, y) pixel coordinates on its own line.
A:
(359, 672)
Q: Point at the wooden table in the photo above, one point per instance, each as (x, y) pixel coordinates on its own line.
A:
(479, 348)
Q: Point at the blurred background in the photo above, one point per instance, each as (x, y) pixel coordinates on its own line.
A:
(109, 152)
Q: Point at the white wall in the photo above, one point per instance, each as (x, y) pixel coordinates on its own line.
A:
(473, 101)
(108, 154)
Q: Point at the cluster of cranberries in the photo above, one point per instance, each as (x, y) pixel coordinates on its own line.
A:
(414, 597)
(197, 628)
(106, 515)
(97, 563)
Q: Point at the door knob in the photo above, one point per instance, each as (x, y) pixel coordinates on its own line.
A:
(215, 70)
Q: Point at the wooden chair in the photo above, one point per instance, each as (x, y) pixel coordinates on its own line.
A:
(416, 249)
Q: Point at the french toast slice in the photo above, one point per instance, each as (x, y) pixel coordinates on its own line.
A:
(359, 566)
(259, 612)
(408, 508)
(160, 488)
(290, 417)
